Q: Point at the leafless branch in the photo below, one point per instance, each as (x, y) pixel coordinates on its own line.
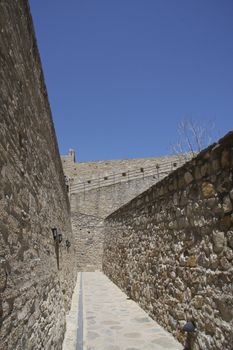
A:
(193, 137)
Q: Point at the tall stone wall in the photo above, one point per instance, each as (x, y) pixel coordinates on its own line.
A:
(105, 200)
(171, 248)
(88, 210)
(88, 240)
(37, 275)
(96, 189)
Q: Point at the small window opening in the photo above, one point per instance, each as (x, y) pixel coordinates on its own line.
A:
(89, 181)
(123, 174)
(175, 165)
(105, 178)
(142, 170)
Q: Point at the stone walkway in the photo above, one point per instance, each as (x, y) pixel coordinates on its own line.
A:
(102, 318)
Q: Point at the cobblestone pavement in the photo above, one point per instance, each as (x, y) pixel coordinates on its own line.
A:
(113, 322)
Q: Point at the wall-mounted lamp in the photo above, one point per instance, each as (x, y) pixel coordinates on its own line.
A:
(59, 237)
(68, 244)
(56, 236)
(54, 231)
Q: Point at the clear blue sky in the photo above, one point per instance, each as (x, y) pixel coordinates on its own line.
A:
(121, 74)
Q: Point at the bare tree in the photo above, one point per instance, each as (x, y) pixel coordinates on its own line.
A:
(193, 137)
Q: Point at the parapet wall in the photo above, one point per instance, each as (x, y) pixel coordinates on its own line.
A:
(37, 275)
(171, 248)
(88, 175)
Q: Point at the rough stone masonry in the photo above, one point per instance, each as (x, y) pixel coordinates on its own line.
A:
(171, 248)
(96, 189)
(37, 274)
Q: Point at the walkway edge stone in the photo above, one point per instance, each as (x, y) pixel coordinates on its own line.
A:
(70, 339)
(84, 319)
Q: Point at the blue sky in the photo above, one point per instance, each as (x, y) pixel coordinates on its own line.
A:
(121, 74)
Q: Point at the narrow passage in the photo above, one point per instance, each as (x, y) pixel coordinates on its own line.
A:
(113, 322)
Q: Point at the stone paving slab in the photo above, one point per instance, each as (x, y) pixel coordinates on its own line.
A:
(111, 321)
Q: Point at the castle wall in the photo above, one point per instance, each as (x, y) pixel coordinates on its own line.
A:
(88, 240)
(84, 171)
(88, 210)
(104, 200)
(171, 248)
(113, 183)
(37, 275)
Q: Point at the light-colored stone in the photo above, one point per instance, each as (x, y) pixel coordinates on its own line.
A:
(191, 261)
(225, 305)
(227, 206)
(208, 190)
(219, 241)
(198, 301)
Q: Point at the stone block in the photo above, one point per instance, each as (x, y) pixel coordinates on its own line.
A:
(191, 261)
(208, 190)
(227, 206)
(219, 241)
(188, 177)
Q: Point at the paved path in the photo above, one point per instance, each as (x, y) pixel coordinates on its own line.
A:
(107, 320)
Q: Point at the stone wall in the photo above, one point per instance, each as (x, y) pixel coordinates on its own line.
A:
(88, 210)
(88, 231)
(98, 188)
(171, 248)
(37, 275)
(105, 200)
(114, 171)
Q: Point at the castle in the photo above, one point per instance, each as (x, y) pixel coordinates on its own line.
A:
(160, 228)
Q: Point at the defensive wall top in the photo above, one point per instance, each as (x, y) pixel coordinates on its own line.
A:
(105, 172)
